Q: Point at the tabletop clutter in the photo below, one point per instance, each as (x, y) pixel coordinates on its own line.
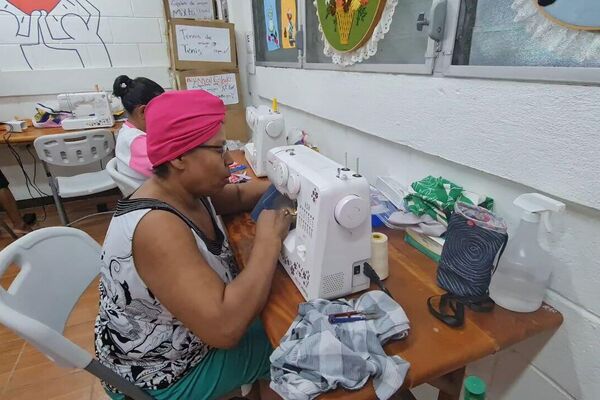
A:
(459, 230)
(74, 111)
(338, 343)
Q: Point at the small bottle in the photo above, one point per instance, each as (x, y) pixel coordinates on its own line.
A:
(474, 388)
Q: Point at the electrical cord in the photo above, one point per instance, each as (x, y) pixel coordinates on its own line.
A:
(90, 216)
(29, 183)
(372, 275)
(39, 191)
(34, 161)
(55, 111)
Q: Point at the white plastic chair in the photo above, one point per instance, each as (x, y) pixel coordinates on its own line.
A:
(126, 184)
(75, 150)
(57, 265)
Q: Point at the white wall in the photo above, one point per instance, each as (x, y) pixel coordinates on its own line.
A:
(498, 138)
(45, 59)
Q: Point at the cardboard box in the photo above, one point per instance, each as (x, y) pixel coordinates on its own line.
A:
(224, 83)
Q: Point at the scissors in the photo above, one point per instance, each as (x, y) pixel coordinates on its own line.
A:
(353, 316)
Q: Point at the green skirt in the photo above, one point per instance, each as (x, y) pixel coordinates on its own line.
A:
(221, 371)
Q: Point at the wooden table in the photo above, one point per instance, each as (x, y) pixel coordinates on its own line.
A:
(438, 354)
(32, 133)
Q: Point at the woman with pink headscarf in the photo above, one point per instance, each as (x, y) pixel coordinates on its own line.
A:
(177, 318)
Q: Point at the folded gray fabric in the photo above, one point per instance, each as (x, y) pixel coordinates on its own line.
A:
(316, 356)
(423, 224)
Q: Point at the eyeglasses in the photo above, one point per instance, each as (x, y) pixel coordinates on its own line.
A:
(223, 148)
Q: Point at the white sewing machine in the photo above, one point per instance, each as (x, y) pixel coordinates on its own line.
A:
(267, 132)
(90, 110)
(325, 253)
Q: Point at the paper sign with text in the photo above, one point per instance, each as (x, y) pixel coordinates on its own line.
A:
(192, 9)
(202, 43)
(224, 86)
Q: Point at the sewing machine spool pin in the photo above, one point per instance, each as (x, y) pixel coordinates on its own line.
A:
(345, 169)
(357, 174)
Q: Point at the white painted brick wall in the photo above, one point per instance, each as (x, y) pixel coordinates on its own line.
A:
(135, 30)
(115, 8)
(153, 54)
(570, 357)
(8, 25)
(12, 58)
(148, 8)
(516, 379)
(163, 29)
(125, 55)
(123, 26)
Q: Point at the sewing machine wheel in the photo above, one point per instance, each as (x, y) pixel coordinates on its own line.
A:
(274, 128)
(281, 174)
(351, 211)
(293, 185)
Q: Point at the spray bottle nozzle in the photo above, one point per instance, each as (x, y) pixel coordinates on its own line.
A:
(536, 206)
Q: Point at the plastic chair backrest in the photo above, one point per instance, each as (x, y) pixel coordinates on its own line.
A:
(57, 265)
(76, 148)
(126, 184)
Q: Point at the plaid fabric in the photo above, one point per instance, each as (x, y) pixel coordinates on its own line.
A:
(315, 356)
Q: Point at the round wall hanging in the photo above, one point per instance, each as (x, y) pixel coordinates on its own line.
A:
(568, 27)
(351, 28)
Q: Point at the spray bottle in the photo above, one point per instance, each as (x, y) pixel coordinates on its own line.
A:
(524, 270)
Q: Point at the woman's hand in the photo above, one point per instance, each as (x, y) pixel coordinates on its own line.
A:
(273, 225)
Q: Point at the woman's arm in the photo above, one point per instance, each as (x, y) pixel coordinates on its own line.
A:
(239, 197)
(168, 261)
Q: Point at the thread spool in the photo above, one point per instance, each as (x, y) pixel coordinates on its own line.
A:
(379, 254)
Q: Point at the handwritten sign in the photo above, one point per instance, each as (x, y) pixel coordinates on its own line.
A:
(192, 9)
(201, 43)
(224, 86)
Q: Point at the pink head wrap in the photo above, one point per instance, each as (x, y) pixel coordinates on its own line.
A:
(178, 121)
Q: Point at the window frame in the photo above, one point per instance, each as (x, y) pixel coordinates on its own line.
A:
(438, 60)
(411, 69)
(574, 75)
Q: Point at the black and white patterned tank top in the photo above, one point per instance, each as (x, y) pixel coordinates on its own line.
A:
(135, 335)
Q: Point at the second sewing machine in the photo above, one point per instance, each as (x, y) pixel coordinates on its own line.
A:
(268, 131)
(88, 110)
